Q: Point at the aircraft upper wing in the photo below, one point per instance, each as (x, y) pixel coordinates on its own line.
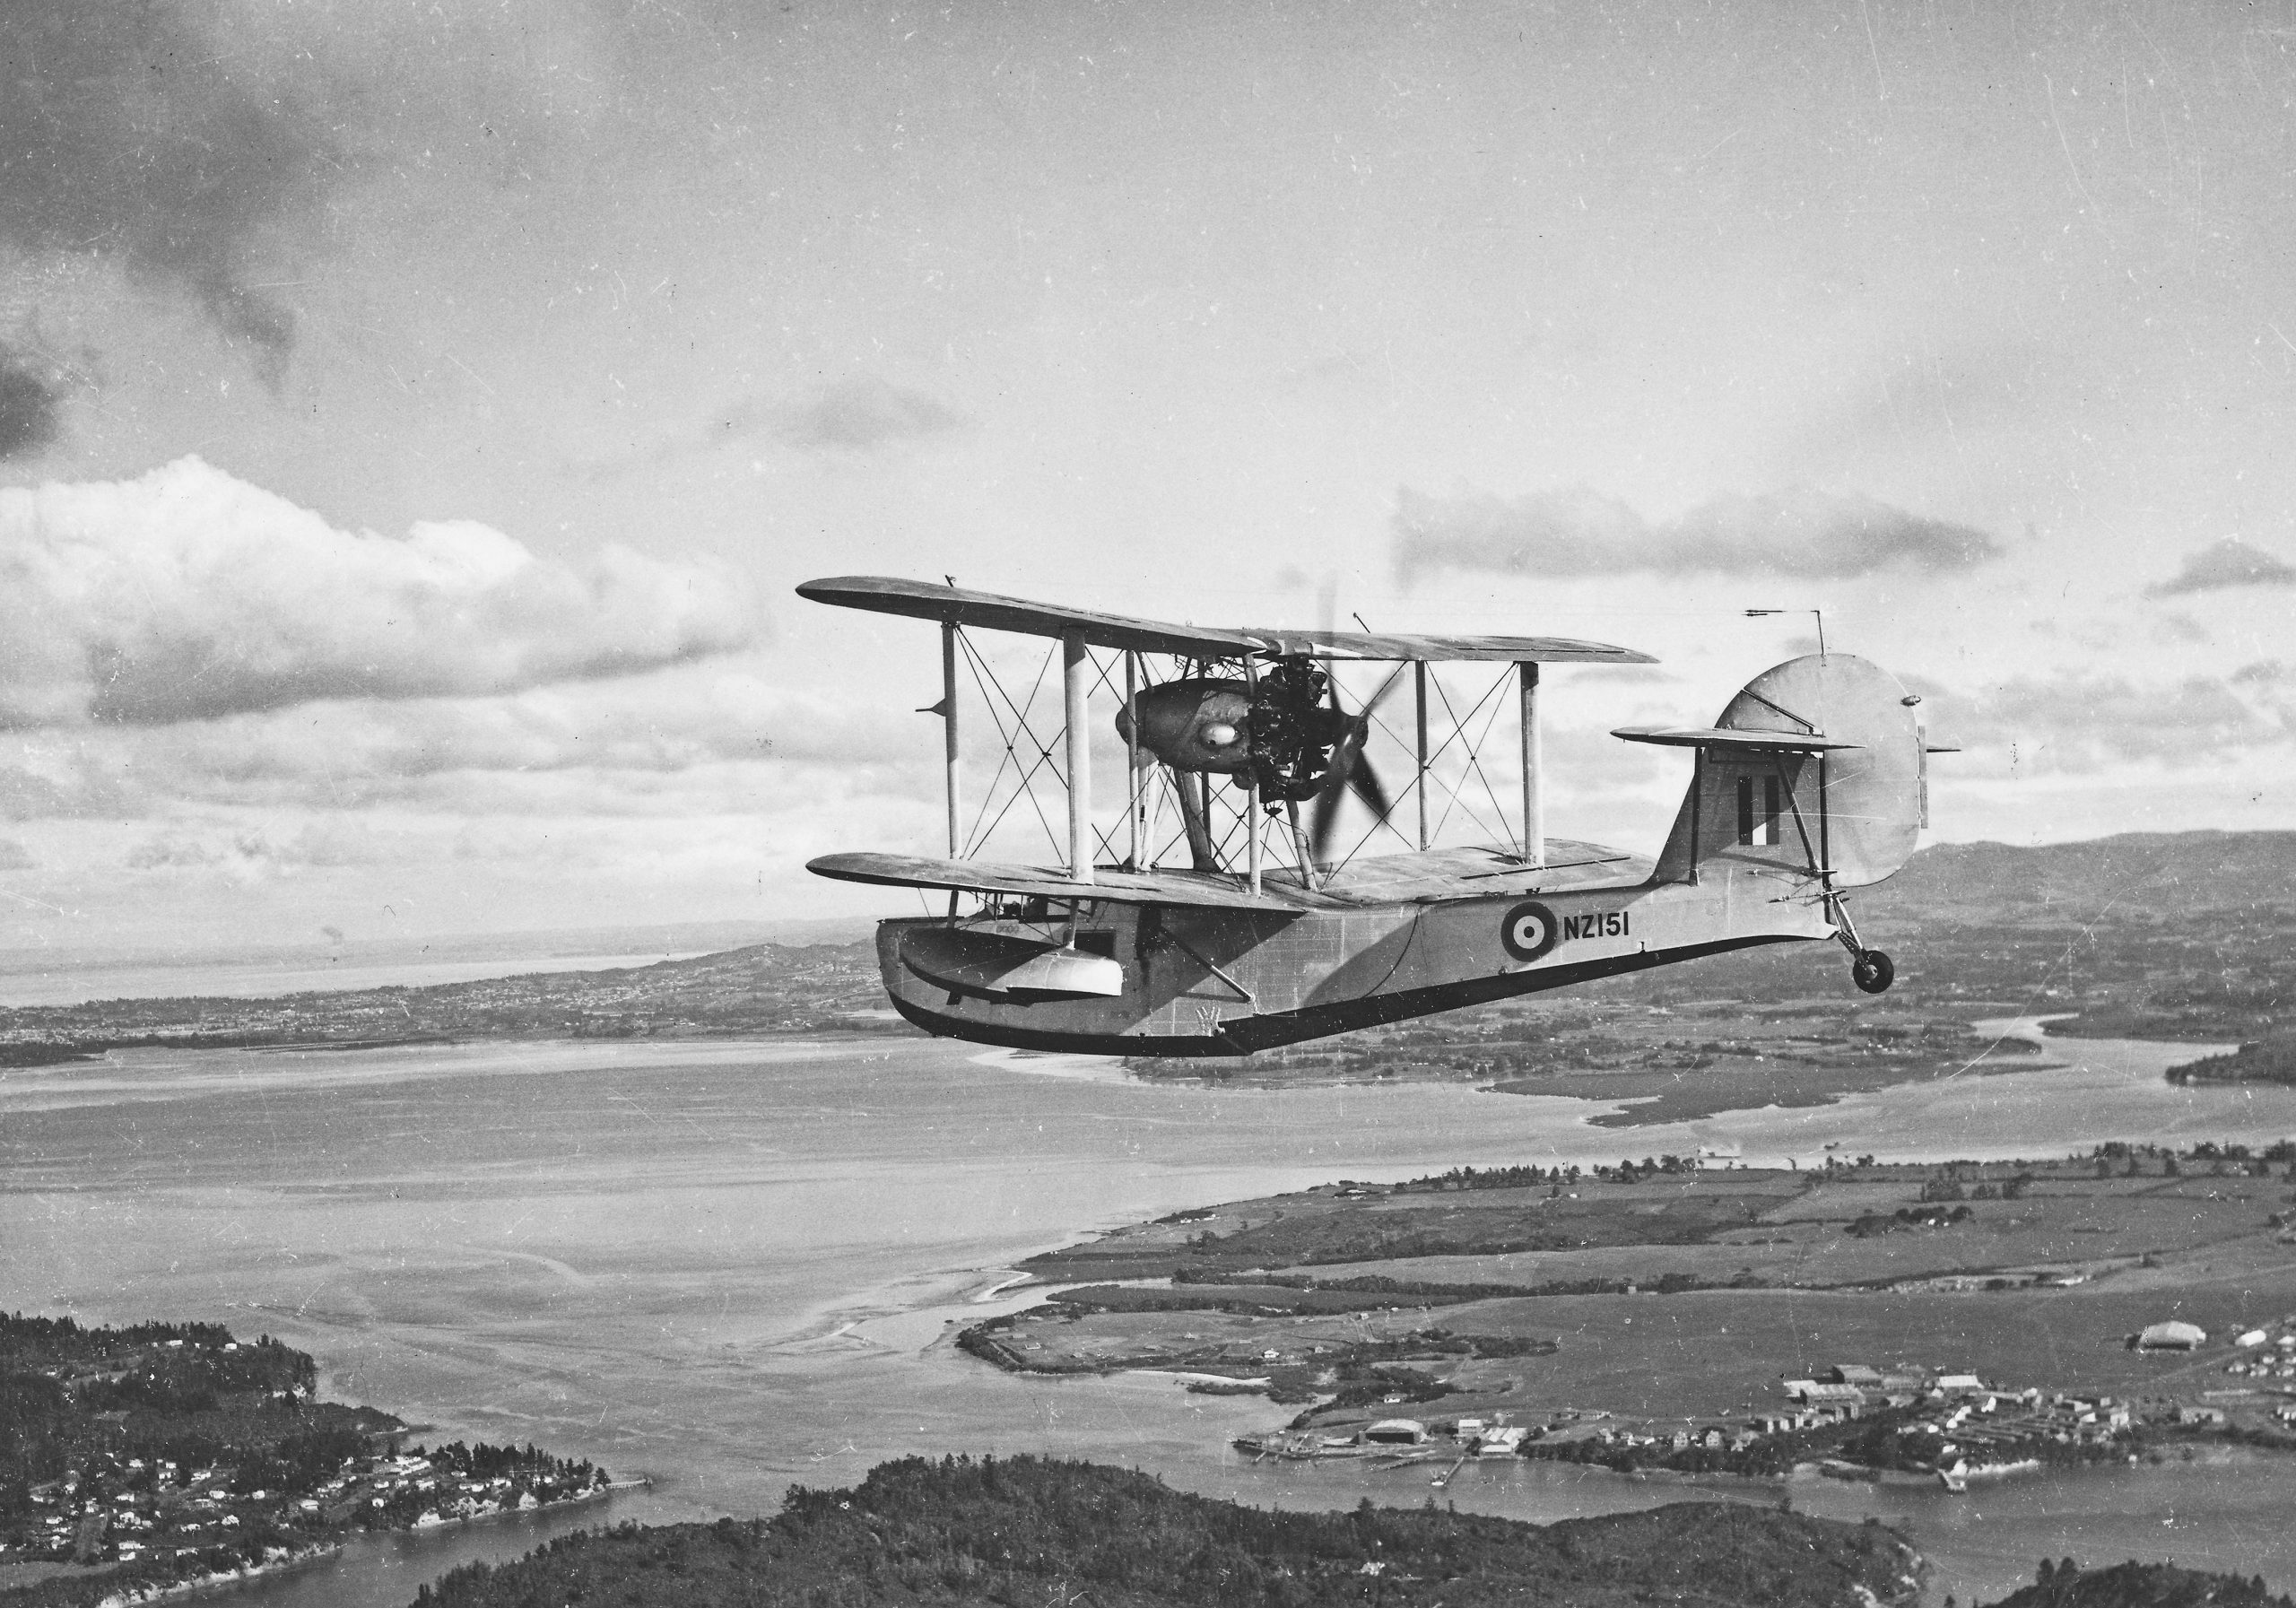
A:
(1717, 736)
(1404, 644)
(922, 600)
(1125, 887)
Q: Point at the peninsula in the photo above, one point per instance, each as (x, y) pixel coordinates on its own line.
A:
(1937, 1321)
(134, 1461)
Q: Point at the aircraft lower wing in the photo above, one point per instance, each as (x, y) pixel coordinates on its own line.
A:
(1430, 877)
(1184, 888)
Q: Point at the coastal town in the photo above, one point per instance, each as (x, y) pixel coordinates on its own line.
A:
(162, 1454)
(1854, 1421)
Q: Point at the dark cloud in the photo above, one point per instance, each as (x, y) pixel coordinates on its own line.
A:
(1802, 533)
(2230, 562)
(30, 406)
(859, 416)
(185, 594)
(126, 132)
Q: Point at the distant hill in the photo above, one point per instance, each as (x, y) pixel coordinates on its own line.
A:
(1027, 1530)
(2148, 934)
(2188, 935)
(767, 988)
(2137, 874)
(2177, 935)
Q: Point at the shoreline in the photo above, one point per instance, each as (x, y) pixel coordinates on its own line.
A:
(319, 1552)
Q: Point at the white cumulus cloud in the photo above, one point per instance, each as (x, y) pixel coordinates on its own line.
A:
(187, 593)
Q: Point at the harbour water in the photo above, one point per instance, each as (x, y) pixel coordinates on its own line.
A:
(733, 1266)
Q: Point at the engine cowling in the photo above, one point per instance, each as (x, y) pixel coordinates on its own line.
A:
(1203, 723)
(1282, 733)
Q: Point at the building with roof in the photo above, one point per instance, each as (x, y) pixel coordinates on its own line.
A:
(1395, 1431)
(2174, 1335)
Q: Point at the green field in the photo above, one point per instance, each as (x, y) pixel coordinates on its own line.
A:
(2026, 1274)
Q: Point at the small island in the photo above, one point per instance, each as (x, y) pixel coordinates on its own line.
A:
(135, 1460)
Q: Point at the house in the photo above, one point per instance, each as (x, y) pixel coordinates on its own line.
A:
(1395, 1431)
(1854, 1373)
(1953, 1382)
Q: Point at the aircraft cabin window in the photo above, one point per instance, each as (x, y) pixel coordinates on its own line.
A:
(1758, 831)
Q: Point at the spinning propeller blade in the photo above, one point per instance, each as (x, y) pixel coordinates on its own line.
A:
(1349, 772)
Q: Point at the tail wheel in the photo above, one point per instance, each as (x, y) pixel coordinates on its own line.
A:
(1872, 971)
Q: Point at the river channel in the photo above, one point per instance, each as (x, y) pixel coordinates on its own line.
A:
(730, 1268)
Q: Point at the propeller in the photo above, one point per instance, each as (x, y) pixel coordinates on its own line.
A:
(1349, 772)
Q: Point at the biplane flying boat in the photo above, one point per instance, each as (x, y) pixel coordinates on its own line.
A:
(1216, 921)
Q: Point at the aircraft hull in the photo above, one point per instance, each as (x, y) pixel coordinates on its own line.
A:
(1214, 982)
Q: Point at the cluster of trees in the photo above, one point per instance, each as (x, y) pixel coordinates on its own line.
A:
(1490, 1178)
(2221, 1159)
(168, 1376)
(2263, 1061)
(1872, 1223)
(2134, 1585)
(1026, 1530)
(1946, 1187)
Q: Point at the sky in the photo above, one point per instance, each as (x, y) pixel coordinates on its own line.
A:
(414, 418)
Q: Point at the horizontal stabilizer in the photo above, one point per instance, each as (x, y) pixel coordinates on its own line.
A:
(1204, 890)
(1716, 736)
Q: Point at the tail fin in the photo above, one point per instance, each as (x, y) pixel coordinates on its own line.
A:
(1818, 765)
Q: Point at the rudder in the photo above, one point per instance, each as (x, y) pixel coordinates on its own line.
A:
(1851, 809)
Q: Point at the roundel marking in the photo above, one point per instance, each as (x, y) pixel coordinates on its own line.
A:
(1529, 931)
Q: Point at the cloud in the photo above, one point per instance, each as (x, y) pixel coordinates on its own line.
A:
(187, 593)
(699, 739)
(253, 851)
(129, 134)
(664, 724)
(14, 855)
(30, 406)
(2230, 562)
(1801, 533)
(854, 415)
(2083, 723)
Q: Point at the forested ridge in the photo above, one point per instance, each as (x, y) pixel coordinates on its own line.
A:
(1032, 1531)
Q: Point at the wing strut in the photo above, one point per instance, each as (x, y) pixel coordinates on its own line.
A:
(1076, 669)
(949, 732)
(1533, 770)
